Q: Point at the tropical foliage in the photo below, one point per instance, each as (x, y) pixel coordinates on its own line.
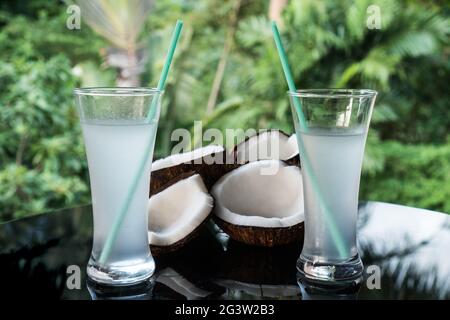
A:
(226, 73)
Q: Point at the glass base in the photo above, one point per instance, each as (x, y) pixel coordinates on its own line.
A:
(121, 274)
(330, 272)
(140, 291)
(320, 290)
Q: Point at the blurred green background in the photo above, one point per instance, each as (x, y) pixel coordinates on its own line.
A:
(226, 73)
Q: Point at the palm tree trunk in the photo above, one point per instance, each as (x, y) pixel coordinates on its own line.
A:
(129, 75)
(276, 9)
(220, 71)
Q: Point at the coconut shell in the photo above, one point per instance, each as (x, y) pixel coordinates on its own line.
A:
(168, 180)
(210, 173)
(260, 236)
(159, 250)
(294, 161)
(160, 179)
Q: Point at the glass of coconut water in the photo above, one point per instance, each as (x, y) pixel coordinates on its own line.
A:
(119, 127)
(331, 127)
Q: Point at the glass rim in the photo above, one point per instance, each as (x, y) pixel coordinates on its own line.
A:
(117, 91)
(333, 93)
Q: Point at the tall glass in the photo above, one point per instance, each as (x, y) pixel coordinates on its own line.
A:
(119, 128)
(331, 127)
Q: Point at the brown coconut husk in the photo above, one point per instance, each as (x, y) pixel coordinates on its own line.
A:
(294, 161)
(159, 186)
(161, 179)
(261, 236)
(210, 172)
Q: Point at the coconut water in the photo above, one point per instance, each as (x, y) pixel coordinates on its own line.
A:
(115, 151)
(334, 161)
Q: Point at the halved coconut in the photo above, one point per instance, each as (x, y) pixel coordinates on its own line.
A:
(261, 203)
(209, 162)
(177, 213)
(268, 145)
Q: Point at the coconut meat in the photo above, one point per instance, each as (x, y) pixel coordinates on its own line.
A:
(267, 145)
(178, 210)
(247, 197)
(186, 157)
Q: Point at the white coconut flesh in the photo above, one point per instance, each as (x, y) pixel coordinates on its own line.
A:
(263, 290)
(196, 154)
(266, 193)
(178, 283)
(178, 210)
(267, 145)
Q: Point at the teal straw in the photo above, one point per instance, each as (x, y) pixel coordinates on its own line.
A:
(335, 232)
(111, 239)
(166, 67)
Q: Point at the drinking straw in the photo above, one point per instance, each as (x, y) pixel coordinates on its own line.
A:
(166, 67)
(111, 239)
(335, 232)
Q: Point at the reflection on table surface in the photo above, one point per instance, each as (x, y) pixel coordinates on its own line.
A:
(408, 246)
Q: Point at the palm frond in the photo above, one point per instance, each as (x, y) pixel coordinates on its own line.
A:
(355, 19)
(253, 31)
(119, 21)
(413, 44)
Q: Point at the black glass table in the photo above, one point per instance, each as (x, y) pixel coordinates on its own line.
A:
(405, 252)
